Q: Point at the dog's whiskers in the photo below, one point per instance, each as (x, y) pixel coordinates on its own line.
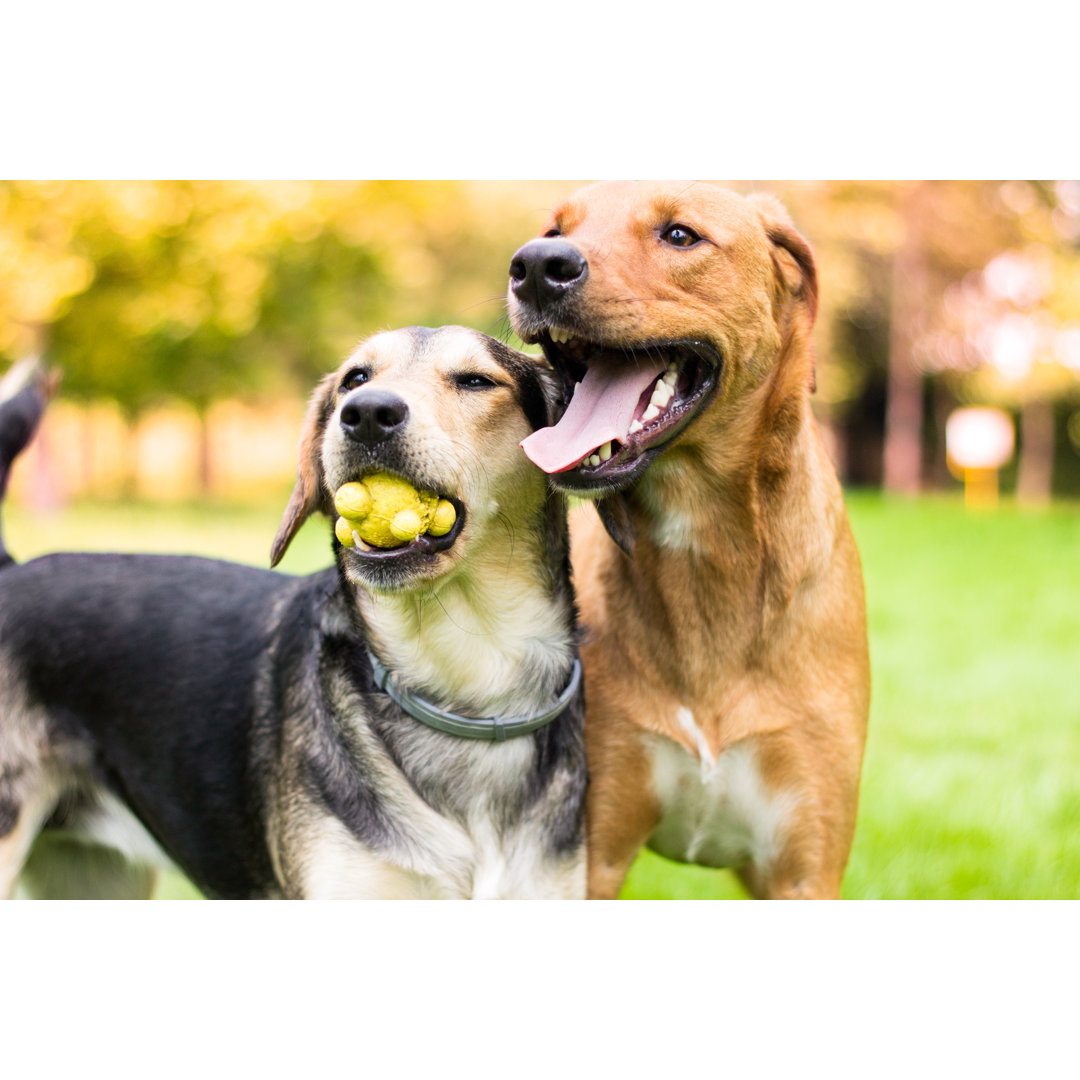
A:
(480, 303)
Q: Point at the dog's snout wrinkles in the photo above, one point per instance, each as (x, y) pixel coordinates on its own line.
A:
(543, 271)
(373, 415)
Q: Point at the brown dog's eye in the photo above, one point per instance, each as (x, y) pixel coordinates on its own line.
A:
(679, 236)
(355, 379)
(472, 381)
(550, 233)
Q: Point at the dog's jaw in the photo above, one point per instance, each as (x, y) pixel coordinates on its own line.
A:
(394, 569)
(675, 381)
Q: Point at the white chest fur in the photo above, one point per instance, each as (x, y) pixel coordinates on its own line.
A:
(716, 813)
(467, 852)
(474, 864)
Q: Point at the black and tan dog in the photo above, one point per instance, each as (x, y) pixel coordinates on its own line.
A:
(725, 652)
(231, 719)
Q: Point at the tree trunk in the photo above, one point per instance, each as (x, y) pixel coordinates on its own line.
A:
(1036, 473)
(46, 492)
(129, 476)
(944, 404)
(87, 442)
(904, 404)
(206, 471)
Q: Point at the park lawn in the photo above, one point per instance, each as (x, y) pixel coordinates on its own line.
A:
(971, 784)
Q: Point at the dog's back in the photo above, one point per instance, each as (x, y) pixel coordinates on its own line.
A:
(142, 672)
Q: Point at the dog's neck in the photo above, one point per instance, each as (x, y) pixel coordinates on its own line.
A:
(495, 638)
(708, 500)
(723, 545)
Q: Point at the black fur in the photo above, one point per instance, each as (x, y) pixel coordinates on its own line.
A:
(153, 661)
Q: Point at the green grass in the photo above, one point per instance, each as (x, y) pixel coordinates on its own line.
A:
(971, 785)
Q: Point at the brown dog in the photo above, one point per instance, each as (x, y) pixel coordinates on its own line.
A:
(727, 672)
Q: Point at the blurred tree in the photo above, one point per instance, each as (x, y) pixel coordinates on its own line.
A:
(39, 270)
(144, 291)
(910, 300)
(901, 265)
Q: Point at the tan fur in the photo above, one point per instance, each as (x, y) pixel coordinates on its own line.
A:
(743, 602)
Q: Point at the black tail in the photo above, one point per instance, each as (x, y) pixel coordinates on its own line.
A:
(24, 392)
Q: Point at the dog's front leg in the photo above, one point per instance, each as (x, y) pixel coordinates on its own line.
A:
(819, 779)
(20, 821)
(621, 810)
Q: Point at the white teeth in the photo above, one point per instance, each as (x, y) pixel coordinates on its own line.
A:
(605, 451)
(661, 395)
(636, 426)
(593, 459)
(651, 413)
(576, 385)
(671, 376)
(560, 337)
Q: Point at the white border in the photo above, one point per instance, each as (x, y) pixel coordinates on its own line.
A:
(934, 989)
(779, 90)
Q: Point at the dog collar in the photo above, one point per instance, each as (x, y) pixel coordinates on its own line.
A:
(495, 728)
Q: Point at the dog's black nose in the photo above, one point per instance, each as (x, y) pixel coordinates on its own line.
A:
(371, 416)
(544, 270)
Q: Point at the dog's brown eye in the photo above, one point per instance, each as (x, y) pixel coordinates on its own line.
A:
(550, 233)
(679, 236)
(355, 379)
(473, 381)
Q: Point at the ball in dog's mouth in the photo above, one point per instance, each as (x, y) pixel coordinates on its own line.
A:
(385, 517)
(621, 403)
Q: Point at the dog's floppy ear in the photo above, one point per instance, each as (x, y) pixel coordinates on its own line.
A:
(614, 511)
(793, 260)
(310, 493)
(543, 413)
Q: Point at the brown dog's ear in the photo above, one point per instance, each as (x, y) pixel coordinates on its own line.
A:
(792, 257)
(614, 511)
(309, 494)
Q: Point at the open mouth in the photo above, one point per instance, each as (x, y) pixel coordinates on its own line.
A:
(413, 553)
(623, 404)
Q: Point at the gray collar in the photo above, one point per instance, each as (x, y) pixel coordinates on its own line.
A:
(471, 727)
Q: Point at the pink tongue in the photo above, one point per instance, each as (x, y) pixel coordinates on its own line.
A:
(601, 409)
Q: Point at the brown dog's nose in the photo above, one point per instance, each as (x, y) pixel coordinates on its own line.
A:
(544, 271)
(371, 416)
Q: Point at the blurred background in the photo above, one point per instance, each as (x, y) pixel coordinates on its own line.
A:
(190, 321)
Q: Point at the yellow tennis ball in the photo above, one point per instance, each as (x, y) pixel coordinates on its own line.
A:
(386, 511)
(406, 524)
(443, 520)
(353, 501)
(343, 531)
